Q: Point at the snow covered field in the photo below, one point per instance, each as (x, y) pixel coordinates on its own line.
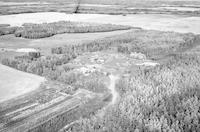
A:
(14, 83)
(147, 21)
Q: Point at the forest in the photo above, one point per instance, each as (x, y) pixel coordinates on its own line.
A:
(165, 98)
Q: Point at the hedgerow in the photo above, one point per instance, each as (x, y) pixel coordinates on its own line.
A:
(34, 31)
(154, 44)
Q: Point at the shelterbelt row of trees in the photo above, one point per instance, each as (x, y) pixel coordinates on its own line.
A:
(35, 31)
(152, 43)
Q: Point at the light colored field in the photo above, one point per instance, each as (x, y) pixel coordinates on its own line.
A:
(19, 19)
(14, 83)
(161, 22)
(147, 21)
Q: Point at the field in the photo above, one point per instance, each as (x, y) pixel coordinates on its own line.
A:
(101, 66)
(14, 83)
(163, 22)
(101, 7)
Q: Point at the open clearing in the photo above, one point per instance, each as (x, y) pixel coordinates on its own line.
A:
(161, 22)
(14, 83)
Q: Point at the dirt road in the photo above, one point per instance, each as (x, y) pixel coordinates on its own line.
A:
(115, 95)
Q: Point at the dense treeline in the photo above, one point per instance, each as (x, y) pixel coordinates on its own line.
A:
(97, 45)
(159, 44)
(45, 66)
(34, 31)
(152, 43)
(165, 98)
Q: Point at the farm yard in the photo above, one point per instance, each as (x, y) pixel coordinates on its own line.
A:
(99, 66)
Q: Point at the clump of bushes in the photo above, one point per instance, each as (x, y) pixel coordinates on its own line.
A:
(95, 82)
(7, 30)
(45, 65)
(34, 31)
(97, 45)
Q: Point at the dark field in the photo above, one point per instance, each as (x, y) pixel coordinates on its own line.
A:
(101, 7)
